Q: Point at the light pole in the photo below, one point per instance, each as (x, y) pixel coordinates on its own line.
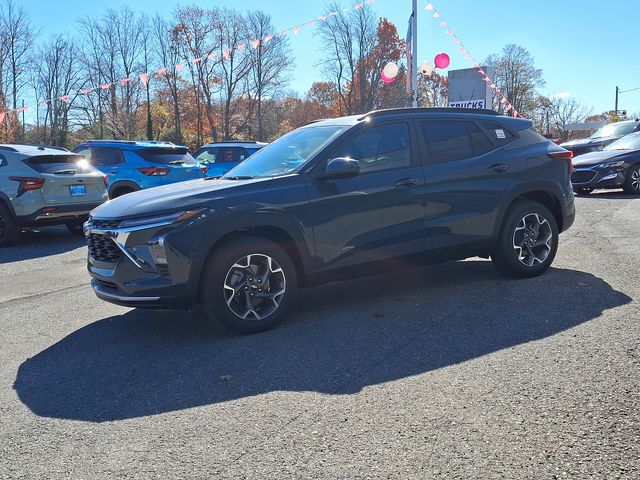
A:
(414, 54)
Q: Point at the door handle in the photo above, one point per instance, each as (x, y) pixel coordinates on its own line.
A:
(407, 182)
(499, 168)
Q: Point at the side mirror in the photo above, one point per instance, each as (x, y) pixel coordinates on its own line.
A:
(341, 167)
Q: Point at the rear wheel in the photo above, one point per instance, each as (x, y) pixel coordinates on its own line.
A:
(632, 184)
(248, 285)
(9, 230)
(583, 190)
(118, 192)
(75, 228)
(528, 241)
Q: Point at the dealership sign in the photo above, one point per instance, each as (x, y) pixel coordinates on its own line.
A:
(480, 103)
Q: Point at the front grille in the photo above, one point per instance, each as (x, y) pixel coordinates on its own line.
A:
(104, 224)
(582, 176)
(103, 249)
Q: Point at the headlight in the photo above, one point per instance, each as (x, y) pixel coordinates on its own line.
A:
(161, 220)
(619, 163)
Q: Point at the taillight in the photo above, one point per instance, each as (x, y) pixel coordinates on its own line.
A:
(105, 180)
(564, 155)
(28, 183)
(153, 171)
(203, 169)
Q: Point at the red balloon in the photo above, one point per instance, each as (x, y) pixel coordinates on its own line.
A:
(442, 60)
(386, 79)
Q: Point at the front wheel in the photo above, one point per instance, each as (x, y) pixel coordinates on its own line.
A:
(248, 285)
(528, 241)
(632, 184)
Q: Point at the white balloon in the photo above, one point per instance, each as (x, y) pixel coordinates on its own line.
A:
(390, 70)
(426, 68)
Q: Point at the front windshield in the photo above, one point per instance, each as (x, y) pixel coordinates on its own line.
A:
(628, 142)
(285, 154)
(614, 130)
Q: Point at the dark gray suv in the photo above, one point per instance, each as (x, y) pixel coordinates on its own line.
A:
(330, 199)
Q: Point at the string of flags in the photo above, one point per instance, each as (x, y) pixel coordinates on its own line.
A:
(474, 63)
(145, 77)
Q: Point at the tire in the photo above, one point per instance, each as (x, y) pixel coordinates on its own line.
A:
(632, 184)
(583, 190)
(9, 230)
(75, 228)
(224, 280)
(526, 222)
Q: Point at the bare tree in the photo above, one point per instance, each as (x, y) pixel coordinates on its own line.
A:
(231, 33)
(515, 73)
(17, 40)
(348, 39)
(58, 82)
(271, 58)
(565, 111)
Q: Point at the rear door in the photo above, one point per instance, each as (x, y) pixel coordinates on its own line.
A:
(66, 180)
(377, 214)
(466, 175)
(219, 160)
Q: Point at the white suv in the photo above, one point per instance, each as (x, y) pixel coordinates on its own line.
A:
(46, 186)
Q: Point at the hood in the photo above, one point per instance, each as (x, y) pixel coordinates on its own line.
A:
(172, 197)
(594, 158)
(588, 142)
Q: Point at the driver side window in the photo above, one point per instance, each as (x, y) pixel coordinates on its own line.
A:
(385, 147)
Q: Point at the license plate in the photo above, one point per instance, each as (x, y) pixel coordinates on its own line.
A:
(78, 189)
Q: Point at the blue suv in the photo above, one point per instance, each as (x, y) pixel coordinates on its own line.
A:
(220, 157)
(136, 165)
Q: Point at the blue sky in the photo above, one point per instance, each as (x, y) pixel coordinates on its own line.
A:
(585, 47)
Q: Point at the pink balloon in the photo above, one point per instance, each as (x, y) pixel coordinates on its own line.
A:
(442, 60)
(386, 79)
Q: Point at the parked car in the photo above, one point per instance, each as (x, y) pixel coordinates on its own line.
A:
(602, 137)
(433, 184)
(42, 186)
(220, 157)
(617, 166)
(136, 165)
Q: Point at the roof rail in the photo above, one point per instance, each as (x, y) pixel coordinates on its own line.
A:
(7, 148)
(239, 141)
(395, 111)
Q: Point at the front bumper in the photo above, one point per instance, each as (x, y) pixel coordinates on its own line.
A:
(590, 177)
(145, 266)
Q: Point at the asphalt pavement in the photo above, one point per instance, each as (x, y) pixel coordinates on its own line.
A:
(447, 371)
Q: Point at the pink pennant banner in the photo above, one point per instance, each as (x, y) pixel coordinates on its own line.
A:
(226, 53)
(161, 72)
(106, 86)
(296, 30)
(87, 91)
(268, 38)
(179, 67)
(255, 43)
(241, 47)
(64, 98)
(144, 78)
(124, 81)
(196, 60)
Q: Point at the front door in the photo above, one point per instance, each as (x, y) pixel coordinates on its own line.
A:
(377, 214)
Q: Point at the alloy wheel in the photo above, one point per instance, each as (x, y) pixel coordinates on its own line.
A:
(635, 180)
(254, 287)
(532, 239)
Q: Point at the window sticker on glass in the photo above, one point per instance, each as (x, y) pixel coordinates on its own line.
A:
(500, 133)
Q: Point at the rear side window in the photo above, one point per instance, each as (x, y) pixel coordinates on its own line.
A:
(167, 156)
(498, 134)
(222, 155)
(3, 161)
(48, 163)
(451, 140)
(384, 147)
(104, 156)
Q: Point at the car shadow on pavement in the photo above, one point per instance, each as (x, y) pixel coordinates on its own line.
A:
(41, 243)
(341, 338)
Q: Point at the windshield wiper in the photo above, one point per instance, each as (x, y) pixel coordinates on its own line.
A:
(238, 177)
